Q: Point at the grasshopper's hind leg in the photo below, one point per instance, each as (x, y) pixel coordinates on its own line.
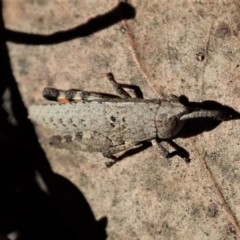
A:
(82, 141)
(72, 95)
(165, 153)
(117, 87)
(110, 151)
(89, 142)
(77, 95)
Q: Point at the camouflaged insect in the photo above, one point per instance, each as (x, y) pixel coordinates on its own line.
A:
(96, 122)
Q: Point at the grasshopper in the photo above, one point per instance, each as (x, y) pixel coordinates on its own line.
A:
(97, 122)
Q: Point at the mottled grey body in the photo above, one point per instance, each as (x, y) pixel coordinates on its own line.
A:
(120, 120)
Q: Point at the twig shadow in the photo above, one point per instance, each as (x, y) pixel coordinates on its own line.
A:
(58, 210)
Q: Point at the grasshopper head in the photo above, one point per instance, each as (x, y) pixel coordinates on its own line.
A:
(172, 115)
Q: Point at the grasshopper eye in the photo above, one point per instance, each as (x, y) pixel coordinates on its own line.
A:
(169, 127)
(171, 123)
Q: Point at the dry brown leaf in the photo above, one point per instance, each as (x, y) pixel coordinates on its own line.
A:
(144, 196)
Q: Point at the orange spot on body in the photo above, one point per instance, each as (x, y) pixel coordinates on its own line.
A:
(63, 100)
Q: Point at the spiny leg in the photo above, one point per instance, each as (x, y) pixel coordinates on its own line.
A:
(76, 95)
(181, 152)
(117, 87)
(109, 152)
(163, 151)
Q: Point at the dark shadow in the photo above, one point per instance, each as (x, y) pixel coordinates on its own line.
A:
(138, 92)
(61, 211)
(197, 126)
(179, 151)
(131, 152)
(120, 12)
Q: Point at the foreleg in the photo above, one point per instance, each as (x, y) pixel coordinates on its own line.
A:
(165, 153)
(109, 152)
(119, 88)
